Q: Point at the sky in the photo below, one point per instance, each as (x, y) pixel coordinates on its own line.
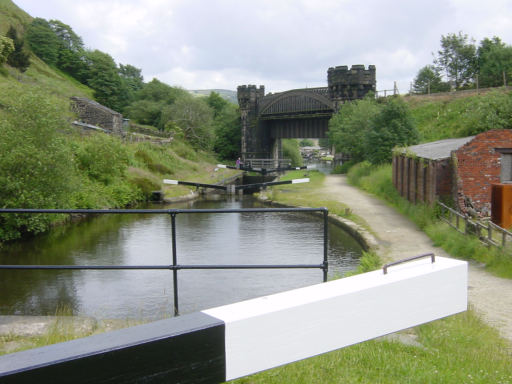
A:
(281, 44)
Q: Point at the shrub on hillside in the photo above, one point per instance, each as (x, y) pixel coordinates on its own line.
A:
(490, 111)
(35, 162)
(102, 157)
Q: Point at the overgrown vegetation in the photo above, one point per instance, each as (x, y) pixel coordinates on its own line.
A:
(377, 180)
(369, 130)
(47, 164)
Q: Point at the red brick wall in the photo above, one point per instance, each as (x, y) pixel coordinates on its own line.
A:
(478, 166)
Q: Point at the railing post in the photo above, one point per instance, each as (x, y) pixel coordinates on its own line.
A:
(326, 243)
(174, 263)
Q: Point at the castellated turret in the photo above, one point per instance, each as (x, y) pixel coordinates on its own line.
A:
(249, 95)
(349, 84)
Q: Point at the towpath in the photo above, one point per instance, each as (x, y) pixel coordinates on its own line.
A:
(399, 238)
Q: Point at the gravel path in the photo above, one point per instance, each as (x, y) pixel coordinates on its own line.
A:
(398, 238)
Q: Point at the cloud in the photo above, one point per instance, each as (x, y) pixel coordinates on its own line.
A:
(282, 44)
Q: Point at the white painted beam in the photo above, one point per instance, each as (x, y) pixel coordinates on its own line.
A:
(297, 181)
(274, 330)
(169, 181)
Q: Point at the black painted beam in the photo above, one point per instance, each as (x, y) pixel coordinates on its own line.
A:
(186, 349)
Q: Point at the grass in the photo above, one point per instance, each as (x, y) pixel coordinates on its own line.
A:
(306, 195)
(459, 349)
(377, 180)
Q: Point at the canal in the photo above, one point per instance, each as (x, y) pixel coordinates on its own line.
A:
(247, 238)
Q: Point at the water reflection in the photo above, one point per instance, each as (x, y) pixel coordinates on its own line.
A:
(248, 238)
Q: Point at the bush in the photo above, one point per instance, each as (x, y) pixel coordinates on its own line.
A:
(291, 151)
(102, 157)
(35, 166)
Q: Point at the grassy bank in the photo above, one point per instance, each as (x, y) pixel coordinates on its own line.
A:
(377, 180)
(458, 349)
(306, 195)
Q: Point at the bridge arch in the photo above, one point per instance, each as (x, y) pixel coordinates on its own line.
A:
(297, 101)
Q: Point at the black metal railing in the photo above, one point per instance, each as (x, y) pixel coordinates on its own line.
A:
(174, 267)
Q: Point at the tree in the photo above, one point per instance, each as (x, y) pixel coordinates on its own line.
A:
(194, 117)
(104, 79)
(18, 58)
(216, 102)
(131, 76)
(457, 58)
(151, 100)
(43, 41)
(494, 60)
(429, 80)
(70, 50)
(350, 126)
(227, 132)
(291, 151)
(306, 143)
(6, 48)
(392, 126)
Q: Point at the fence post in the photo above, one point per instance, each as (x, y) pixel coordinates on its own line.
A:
(174, 263)
(489, 232)
(326, 244)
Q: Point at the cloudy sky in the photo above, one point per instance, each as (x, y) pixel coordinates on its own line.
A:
(282, 44)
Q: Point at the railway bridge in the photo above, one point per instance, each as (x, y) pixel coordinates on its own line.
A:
(298, 113)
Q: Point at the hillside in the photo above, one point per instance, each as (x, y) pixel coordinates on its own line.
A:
(11, 14)
(461, 114)
(224, 93)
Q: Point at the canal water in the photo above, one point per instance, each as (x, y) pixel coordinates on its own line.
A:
(247, 238)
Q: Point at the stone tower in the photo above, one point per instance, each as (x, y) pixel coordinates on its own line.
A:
(248, 101)
(350, 84)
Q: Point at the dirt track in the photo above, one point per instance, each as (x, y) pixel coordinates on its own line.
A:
(398, 238)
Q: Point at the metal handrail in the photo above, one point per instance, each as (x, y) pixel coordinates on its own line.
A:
(174, 267)
(386, 266)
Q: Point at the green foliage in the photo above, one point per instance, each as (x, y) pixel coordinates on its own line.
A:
(18, 58)
(349, 128)
(494, 61)
(377, 180)
(458, 58)
(102, 157)
(492, 110)
(291, 151)
(43, 41)
(195, 118)
(306, 143)
(6, 48)
(227, 132)
(104, 79)
(216, 103)
(34, 166)
(429, 80)
(71, 53)
(343, 168)
(151, 103)
(393, 126)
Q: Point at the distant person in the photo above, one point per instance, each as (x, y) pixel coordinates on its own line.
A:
(238, 163)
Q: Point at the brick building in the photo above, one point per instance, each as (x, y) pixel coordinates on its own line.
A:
(461, 170)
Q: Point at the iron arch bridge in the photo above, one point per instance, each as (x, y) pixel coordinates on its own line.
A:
(297, 113)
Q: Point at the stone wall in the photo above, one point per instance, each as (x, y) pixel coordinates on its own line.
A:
(91, 112)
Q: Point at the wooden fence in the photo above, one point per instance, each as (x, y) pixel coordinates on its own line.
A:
(488, 232)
